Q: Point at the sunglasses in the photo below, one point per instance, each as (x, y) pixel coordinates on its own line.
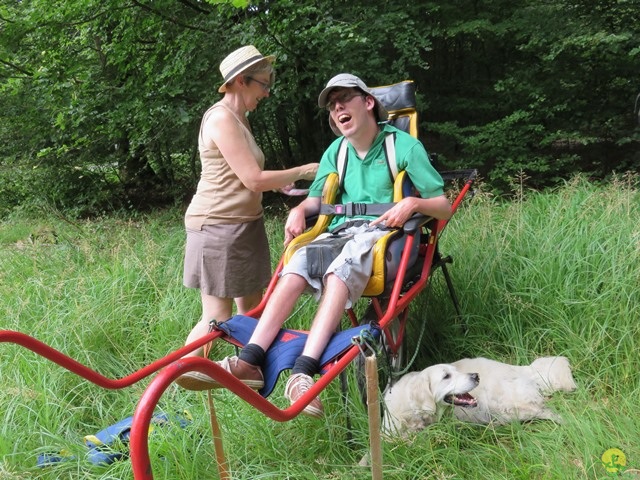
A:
(343, 98)
(265, 86)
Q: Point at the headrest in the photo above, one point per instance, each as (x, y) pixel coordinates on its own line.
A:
(396, 96)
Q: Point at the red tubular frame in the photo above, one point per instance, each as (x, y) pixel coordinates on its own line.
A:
(42, 349)
(176, 365)
(398, 303)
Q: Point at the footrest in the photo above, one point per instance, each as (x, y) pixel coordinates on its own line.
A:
(288, 346)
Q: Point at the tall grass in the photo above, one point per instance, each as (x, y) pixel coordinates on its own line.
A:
(546, 274)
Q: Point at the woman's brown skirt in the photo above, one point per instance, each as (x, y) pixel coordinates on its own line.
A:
(228, 261)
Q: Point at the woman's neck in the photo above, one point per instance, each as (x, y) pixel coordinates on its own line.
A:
(234, 102)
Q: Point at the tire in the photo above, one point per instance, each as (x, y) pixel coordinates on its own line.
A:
(388, 364)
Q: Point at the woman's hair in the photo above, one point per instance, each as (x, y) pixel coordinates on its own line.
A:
(263, 66)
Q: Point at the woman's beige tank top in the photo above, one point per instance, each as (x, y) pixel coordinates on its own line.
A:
(221, 198)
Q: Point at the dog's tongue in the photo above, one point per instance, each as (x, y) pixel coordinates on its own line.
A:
(464, 400)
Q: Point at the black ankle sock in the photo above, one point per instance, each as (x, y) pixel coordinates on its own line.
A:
(307, 365)
(253, 354)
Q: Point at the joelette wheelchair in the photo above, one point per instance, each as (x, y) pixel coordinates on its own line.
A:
(404, 260)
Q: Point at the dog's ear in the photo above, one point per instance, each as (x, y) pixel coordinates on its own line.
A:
(421, 392)
(553, 374)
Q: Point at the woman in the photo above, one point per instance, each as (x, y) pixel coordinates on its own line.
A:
(227, 253)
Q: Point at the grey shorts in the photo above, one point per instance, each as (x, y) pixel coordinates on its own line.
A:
(228, 261)
(353, 266)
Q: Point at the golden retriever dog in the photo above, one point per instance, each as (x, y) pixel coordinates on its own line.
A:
(480, 390)
(417, 398)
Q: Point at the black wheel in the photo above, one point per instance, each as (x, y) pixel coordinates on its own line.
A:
(389, 364)
(397, 361)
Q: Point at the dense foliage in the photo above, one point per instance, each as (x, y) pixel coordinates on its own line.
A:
(100, 102)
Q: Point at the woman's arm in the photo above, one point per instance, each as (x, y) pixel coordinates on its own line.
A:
(228, 136)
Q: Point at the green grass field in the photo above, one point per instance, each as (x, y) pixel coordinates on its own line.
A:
(545, 274)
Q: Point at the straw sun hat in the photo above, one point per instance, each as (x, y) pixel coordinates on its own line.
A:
(238, 61)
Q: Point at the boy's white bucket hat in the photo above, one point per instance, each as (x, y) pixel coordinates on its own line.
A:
(347, 80)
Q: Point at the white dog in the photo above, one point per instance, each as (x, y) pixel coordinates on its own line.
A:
(481, 391)
(417, 398)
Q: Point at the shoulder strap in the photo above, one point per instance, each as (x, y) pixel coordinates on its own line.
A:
(341, 162)
(389, 153)
(206, 115)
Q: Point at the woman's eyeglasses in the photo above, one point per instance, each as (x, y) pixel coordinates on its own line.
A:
(265, 86)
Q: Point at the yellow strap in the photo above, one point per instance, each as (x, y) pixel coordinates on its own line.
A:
(93, 439)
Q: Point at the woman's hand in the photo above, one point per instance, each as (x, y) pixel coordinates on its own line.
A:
(308, 171)
(292, 191)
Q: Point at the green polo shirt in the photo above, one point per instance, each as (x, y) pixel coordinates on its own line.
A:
(368, 181)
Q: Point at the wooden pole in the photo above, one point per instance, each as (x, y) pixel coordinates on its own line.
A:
(373, 408)
(221, 461)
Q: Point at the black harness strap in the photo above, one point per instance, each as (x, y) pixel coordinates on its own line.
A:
(354, 209)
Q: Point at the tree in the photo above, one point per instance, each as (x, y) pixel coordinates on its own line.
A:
(106, 97)
(539, 87)
(107, 110)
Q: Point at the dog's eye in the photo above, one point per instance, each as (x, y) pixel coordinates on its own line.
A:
(446, 376)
